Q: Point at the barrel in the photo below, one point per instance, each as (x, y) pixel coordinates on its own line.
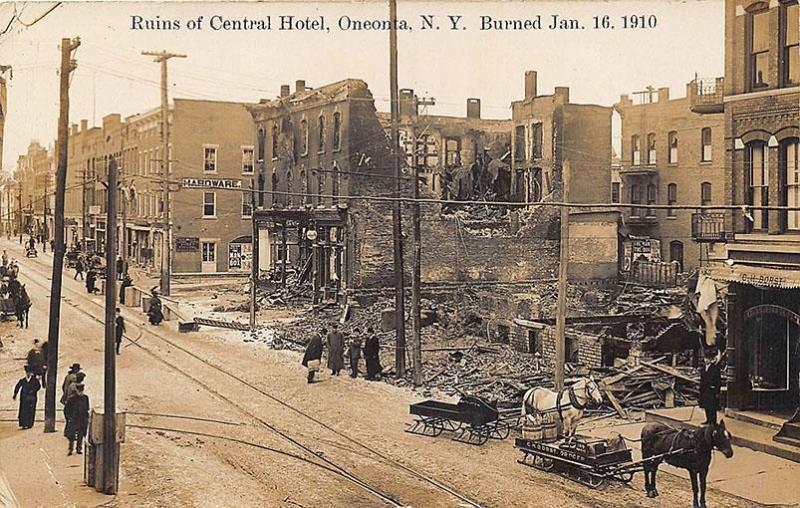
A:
(549, 431)
(532, 429)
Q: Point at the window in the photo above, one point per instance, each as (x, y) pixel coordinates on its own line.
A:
(209, 252)
(757, 164)
(636, 199)
(636, 157)
(247, 159)
(275, 196)
(705, 142)
(303, 137)
(305, 190)
(791, 45)
(672, 198)
(615, 192)
(247, 204)
(790, 176)
(275, 141)
(337, 131)
(262, 140)
(651, 198)
(519, 143)
(452, 152)
(260, 190)
(759, 49)
(427, 153)
(673, 147)
(536, 140)
(321, 134)
(705, 193)
(651, 148)
(289, 196)
(676, 253)
(210, 159)
(209, 204)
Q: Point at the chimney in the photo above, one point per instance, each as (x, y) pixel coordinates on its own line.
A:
(73, 129)
(663, 94)
(408, 102)
(285, 91)
(84, 125)
(530, 84)
(300, 85)
(563, 92)
(473, 108)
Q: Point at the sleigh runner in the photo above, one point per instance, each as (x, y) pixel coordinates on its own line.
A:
(472, 420)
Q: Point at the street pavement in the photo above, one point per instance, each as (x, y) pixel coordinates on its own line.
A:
(214, 441)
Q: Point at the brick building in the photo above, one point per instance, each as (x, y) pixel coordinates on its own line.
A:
(761, 102)
(671, 154)
(458, 157)
(550, 132)
(35, 175)
(3, 112)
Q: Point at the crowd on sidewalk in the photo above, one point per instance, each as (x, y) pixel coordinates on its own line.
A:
(338, 345)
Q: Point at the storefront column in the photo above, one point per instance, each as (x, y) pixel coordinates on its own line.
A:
(736, 375)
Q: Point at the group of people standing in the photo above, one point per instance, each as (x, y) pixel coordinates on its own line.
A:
(337, 344)
(28, 387)
(92, 266)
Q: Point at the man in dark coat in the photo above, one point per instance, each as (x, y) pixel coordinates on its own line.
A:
(29, 386)
(354, 351)
(127, 282)
(313, 354)
(35, 359)
(78, 269)
(119, 328)
(372, 355)
(91, 277)
(78, 410)
(335, 350)
(710, 383)
(154, 312)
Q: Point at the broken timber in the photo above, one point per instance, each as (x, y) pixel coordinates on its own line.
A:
(233, 325)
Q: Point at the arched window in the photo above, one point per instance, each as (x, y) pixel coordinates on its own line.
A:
(673, 147)
(676, 253)
(651, 148)
(705, 193)
(262, 139)
(337, 131)
(705, 142)
(636, 151)
(320, 186)
(652, 195)
(757, 166)
(335, 190)
(321, 134)
(788, 157)
(672, 198)
(275, 141)
(289, 196)
(304, 191)
(303, 137)
(276, 198)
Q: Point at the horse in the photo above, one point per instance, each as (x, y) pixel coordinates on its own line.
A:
(569, 402)
(22, 306)
(661, 441)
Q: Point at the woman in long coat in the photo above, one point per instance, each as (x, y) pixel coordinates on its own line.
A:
(313, 354)
(372, 355)
(29, 386)
(335, 350)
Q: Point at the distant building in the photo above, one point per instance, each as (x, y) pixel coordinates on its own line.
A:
(671, 155)
(3, 113)
(35, 175)
(549, 133)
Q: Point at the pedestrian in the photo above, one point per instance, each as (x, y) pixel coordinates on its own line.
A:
(313, 355)
(372, 355)
(77, 408)
(29, 386)
(13, 272)
(31, 243)
(119, 328)
(69, 379)
(69, 392)
(91, 277)
(710, 383)
(335, 350)
(120, 267)
(354, 350)
(52, 245)
(154, 312)
(5, 258)
(127, 282)
(35, 359)
(78, 269)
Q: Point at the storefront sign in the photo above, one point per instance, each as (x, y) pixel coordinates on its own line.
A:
(187, 244)
(775, 310)
(211, 183)
(762, 280)
(240, 256)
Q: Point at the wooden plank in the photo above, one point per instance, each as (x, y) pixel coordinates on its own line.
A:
(671, 372)
(614, 402)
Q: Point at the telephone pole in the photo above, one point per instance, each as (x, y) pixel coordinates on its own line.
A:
(67, 66)
(44, 214)
(110, 445)
(563, 265)
(254, 261)
(166, 237)
(397, 213)
(83, 210)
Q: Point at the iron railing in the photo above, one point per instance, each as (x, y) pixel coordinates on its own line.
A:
(710, 227)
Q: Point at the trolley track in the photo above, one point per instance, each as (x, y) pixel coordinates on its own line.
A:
(372, 453)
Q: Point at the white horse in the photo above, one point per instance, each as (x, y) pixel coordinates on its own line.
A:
(568, 404)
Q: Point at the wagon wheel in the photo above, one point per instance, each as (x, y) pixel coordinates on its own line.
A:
(481, 435)
(502, 430)
(624, 477)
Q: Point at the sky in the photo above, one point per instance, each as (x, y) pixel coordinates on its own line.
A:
(598, 65)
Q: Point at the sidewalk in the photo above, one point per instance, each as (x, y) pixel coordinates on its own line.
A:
(38, 470)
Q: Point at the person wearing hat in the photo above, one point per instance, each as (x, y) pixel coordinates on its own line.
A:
(70, 378)
(29, 386)
(336, 342)
(354, 350)
(313, 355)
(154, 312)
(710, 383)
(119, 327)
(77, 413)
(372, 350)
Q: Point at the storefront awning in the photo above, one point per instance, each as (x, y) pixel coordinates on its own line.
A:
(755, 276)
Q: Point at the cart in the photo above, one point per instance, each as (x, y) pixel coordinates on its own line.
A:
(472, 420)
(30, 252)
(8, 308)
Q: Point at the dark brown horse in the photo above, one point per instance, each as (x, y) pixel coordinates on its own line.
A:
(22, 306)
(686, 449)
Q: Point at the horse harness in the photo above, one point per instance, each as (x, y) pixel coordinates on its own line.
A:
(573, 401)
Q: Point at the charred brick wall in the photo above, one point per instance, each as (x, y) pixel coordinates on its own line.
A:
(587, 349)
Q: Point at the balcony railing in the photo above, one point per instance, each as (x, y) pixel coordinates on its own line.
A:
(710, 227)
(638, 169)
(641, 217)
(706, 95)
(655, 273)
